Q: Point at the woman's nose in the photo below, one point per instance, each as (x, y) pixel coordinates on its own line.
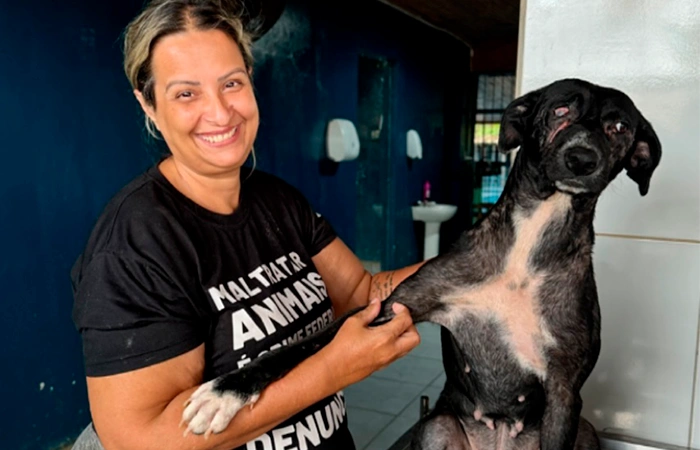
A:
(219, 110)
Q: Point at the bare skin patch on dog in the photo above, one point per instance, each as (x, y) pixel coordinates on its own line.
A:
(511, 297)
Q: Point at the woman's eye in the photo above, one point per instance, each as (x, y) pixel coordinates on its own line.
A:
(561, 111)
(184, 94)
(231, 84)
(621, 127)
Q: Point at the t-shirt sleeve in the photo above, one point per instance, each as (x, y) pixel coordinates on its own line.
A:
(322, 233)
(131, 315)
(317, 231)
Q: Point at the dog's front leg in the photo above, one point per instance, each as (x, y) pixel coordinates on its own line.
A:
(212, 407)
(423, 292)
(561, 415)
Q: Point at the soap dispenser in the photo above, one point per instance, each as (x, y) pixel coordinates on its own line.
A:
(426, 192)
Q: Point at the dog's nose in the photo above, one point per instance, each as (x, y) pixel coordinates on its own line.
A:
(581, 161)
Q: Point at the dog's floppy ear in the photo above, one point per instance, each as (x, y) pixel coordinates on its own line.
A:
(644, 155)
(516, 121)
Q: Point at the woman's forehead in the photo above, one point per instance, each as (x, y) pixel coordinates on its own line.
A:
(196, 52)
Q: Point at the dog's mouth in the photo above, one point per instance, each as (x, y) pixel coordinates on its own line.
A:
(573, 187)
(566, 182)
(593, 184)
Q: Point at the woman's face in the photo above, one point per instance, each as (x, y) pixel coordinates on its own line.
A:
(205, 107)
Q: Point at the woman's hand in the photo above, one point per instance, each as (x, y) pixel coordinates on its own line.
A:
(359, 350)
(349, 284)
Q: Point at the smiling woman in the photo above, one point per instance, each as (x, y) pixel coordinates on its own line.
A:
(201, 265)
(205, 109)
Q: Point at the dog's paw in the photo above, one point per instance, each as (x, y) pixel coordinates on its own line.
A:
(385, 315)
(210, 410)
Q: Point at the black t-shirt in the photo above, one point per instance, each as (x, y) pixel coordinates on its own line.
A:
(161, 275)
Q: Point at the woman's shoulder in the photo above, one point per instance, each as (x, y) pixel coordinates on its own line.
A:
(138, 193)
(260, 179)
(268, 187)
(142, 209)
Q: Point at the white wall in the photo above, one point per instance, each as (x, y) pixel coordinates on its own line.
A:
(647, 254)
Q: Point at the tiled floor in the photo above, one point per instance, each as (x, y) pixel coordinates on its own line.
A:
(384, 406)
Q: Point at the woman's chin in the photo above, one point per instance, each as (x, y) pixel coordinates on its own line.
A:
(222, 165)
(225, 158)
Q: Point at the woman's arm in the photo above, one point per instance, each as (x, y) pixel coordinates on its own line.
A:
(349, 284)
(142, 409)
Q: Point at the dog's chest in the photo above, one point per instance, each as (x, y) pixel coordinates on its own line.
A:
(512, 298)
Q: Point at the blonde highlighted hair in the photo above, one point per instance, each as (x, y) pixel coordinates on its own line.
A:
(161, 18)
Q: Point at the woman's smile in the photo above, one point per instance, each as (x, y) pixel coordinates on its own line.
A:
(219, 138)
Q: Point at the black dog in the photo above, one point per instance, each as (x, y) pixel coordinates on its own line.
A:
(517, 292)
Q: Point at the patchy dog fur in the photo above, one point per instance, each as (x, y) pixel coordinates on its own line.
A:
(516, 295)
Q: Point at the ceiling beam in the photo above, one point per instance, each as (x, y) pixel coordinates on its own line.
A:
(419, 17)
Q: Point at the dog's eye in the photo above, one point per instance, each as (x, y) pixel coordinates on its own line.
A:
(621, 127)
(561, 111)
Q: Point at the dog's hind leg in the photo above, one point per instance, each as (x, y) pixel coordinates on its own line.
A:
(587, 438)
(211, 407)
(440, 431)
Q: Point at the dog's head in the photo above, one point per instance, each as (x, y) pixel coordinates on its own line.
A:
(579, 136)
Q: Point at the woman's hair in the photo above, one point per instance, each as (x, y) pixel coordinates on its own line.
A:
(161, 18)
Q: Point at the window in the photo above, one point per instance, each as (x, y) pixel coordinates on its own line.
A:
(494, 93)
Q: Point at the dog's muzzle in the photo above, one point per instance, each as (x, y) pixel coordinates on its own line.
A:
(578, 166)
(581, 161)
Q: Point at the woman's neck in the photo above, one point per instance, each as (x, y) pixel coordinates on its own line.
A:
(219, 193)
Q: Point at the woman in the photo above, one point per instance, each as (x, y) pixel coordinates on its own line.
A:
(200, 265)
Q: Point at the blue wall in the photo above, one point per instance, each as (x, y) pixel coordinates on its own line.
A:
(306, 74)
(70, 138)
(73, 135)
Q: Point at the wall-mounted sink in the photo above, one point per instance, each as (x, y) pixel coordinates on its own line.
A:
(436, 212)
(433, 214)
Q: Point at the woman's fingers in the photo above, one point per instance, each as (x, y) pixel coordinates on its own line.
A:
(371, 311)
(401, 320)
(407, 337)
(404, 336)
(373, 348)
(407, 341)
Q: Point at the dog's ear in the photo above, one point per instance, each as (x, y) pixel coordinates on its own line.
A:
(644, 155)
(516, 121)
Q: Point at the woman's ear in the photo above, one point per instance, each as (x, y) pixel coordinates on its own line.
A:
(148, 109)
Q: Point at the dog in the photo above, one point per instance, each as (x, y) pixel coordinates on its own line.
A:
(516, 295)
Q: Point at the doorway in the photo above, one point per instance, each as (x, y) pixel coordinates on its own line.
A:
(373, 180)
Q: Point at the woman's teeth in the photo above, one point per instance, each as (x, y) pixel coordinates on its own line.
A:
(215, 138)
